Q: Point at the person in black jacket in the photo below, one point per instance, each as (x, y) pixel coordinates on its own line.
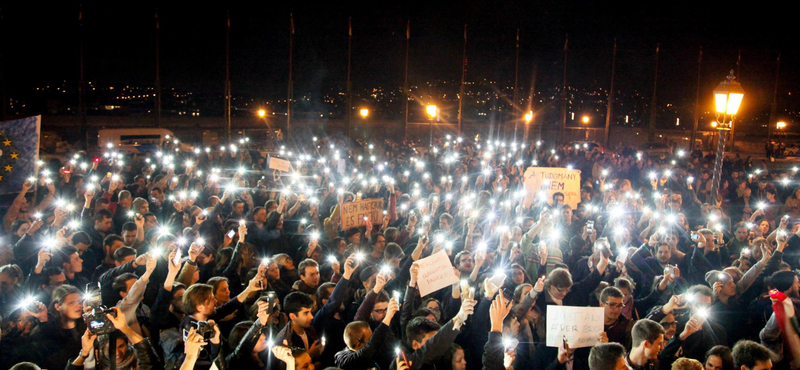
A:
(429, 341)
(362, 344)
(246, 354)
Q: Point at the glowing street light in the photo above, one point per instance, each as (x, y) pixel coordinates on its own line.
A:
(727, 98)
(364, 112)
(262, 113)
(781, 125)
(528, 116)
(585, 119)
(432, 112)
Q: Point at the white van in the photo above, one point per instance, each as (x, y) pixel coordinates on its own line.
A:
(134, 140)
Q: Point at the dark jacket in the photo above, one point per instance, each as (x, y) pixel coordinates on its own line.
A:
(365, 357)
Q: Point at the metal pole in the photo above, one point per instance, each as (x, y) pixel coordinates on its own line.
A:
(515, 104)
(349, 88)
(564, 93)
(712, 197)
(158, 76)
(431, 138)
(290, 93)
(773, 111)
(610, 109)
(654, 101)
(228, 74)
(405, 83)
(81, 83)
(463, 77)
(696, 101)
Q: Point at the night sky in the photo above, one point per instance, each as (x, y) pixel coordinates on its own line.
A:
(40, 44)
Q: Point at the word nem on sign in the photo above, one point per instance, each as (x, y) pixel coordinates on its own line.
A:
(355, 214)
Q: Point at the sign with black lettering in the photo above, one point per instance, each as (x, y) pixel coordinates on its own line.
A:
(542, 182)
(580, 325)
(356, 214)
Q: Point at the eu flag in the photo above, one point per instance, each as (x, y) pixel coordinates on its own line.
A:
(19, 151)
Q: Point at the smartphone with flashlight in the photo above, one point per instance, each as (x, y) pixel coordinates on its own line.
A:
(695, 237)
(231, 234)
(590, 226)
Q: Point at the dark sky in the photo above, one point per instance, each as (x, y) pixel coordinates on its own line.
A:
(40, 43)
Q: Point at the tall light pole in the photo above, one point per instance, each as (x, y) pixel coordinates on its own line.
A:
(585, 120)
(432, 112)
(528, 119)
(364, 112)
(727, 98)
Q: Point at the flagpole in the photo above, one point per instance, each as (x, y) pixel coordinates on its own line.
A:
(463, 77)
(228, 73)
(291, 83)
(654, 101)
(81, 88)
(158, 75)
(515, 104)
(697, 100)
(610, 109)
(563, 128)
(349, 86)
(405, 84)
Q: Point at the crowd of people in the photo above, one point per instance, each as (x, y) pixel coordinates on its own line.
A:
(209, 258)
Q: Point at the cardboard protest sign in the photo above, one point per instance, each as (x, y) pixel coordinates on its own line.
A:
(580, 325)
(279, 164)
(435, 272)
(353, 213)
(546, 181)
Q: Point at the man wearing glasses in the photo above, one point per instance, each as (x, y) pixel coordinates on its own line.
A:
(617, 327)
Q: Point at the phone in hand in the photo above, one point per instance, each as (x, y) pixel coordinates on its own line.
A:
(231, 234)
(590, 226)
(695, 237)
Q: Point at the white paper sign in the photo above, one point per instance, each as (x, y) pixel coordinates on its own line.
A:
(435, 272)
(545, 181)
(279, 164)
(580, 325)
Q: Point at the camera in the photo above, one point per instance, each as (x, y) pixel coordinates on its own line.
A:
(205, 329)
(202, 328)
(97, 321)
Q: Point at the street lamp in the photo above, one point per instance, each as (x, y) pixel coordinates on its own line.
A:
(364, 112)
(727, 98)
(528, 119)
(262, 113)
(432, 112)
(781, 125)
(585, 119)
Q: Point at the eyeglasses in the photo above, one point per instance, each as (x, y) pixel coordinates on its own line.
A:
(380, 311)
(668, 324)
(615, 305)
(563, 290)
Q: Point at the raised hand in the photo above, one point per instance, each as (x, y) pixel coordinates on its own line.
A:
(414, 271)
(498, 312)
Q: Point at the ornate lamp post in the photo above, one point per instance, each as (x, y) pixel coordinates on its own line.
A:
(727, 97)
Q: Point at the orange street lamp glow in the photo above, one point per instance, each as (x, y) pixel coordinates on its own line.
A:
(432, 110)
(781, 125)
(529, 116)
(364, 112)
(262, 113)
(585, 119)
(713, 123)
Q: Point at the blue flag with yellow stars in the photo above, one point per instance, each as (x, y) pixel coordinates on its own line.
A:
(19, 151)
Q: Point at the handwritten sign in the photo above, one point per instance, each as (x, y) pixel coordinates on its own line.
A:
(542, 182)
(435, 272)
(580, 325)
(353, 213)
(279, 164)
